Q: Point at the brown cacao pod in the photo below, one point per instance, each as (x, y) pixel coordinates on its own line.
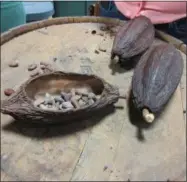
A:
(156, 78)
(133, 38)
(21, 106)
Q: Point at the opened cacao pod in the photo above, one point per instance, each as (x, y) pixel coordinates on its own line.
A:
(22, 104)
(133, 38)
(156, 78)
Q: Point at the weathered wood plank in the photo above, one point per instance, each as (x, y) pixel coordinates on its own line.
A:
(102, 151)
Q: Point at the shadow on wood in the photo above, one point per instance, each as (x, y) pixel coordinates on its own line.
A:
(43, 131)
(136, 119)
(124, 65)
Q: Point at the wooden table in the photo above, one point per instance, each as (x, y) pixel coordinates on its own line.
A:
(116, 147)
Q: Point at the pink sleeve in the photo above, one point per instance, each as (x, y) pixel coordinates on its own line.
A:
(157, 12)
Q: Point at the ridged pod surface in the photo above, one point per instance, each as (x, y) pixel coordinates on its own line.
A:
(133, 38)
(21, 104)
(156, 77)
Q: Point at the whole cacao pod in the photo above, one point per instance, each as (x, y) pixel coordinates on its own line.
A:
(156, 78)
(133, 38)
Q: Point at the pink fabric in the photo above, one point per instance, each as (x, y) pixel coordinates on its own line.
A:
(157, 12)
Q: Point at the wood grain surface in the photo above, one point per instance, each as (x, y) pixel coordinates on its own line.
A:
(116, 146)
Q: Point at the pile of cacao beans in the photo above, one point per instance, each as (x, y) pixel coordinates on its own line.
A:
(65, 101)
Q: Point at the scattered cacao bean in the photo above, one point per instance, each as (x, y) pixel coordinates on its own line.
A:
(13, 64)
(96, 51)
(54, 59)
(105, 168)
(8, 91)
(102, 49)
(94, 32)
(32, 67)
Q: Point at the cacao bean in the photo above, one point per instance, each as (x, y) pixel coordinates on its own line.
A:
(66, 96)
(75, 103)
(81, 103)
(42, 67)
(91, 95)
(82, 91)
(32, 67)
(67, 105)
(76, 97)
(96, 51)
(91, 101)
(94, 32)
(8, 91)
(58, 99)
(102, 49)
(85, 99)
(13, 64)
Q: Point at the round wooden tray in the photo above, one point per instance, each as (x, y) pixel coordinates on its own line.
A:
(109, 148)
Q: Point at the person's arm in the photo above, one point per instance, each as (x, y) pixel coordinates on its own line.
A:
(157, 12)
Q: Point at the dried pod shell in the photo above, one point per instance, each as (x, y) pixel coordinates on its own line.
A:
(133, 38)
(156, 78)
(21, 107)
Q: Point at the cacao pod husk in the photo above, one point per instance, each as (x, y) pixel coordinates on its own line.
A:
(133, 38)
(155, 79)
(20, 105)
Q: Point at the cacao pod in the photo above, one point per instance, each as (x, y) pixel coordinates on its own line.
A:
(133, 38)
(21, 105)
(156, 78)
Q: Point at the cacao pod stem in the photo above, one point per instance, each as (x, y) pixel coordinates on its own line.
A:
(114, 59)
(148, 116)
